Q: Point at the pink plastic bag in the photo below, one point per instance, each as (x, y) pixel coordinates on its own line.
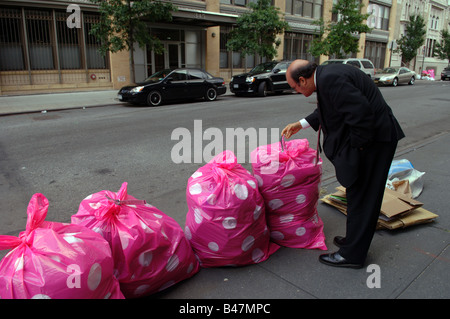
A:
(289, 181)
(55, 260)
(226, 221)
(149, 248)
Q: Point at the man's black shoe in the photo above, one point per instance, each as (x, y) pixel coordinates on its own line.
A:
(336, 260)
(339, 241)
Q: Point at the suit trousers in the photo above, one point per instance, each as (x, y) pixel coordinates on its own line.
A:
(364, 199)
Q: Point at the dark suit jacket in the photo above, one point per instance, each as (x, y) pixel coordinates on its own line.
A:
(353, 114)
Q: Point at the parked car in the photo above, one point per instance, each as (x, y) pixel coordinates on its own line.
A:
(168, 85)
(364, 64)
(395, 75)
(263, 78)
(445, 74)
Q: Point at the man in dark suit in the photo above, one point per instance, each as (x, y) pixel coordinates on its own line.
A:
(360, 135)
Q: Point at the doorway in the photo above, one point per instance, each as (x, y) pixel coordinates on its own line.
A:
(169, 59)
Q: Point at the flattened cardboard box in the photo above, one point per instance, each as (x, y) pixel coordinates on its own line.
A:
(397, 210)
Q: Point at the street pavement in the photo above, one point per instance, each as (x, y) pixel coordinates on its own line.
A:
(410, 263)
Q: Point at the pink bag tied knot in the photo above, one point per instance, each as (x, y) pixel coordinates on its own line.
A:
(37, 209)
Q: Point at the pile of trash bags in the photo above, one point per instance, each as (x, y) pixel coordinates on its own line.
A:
(117, 246)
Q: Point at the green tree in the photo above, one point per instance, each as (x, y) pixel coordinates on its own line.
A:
(256, 31)
(442, 50)
(124, 22)
(339, 37)
(413, 38)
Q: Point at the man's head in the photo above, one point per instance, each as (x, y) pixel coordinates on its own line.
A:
(300, 76)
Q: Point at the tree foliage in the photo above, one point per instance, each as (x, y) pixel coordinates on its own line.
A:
(413, 38)
(339, 37)
(124, 22)
(442, 50)
(257, 30)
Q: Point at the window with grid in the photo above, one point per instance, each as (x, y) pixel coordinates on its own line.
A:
(305, 8)
(69, 40)
(94, 59)
(40, 38)
(241, 3)
(296, 46)
(379, 18)
(11, 44)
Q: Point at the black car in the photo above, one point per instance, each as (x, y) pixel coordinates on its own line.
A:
(169, 85)
(445, 74)
(263, 78)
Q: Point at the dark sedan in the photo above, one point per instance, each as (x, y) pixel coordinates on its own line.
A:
(445, 74)
(263, 78)
(170, 85)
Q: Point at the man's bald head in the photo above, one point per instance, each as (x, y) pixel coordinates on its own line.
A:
(299, 75)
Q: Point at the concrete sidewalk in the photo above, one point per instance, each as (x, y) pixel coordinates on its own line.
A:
(413, 262)
(18, 104)
(55, 101)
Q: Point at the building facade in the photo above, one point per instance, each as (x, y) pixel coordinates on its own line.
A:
(45, 46)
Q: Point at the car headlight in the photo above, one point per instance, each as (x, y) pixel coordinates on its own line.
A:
(136, 89)
(386, 78)
(250, 79)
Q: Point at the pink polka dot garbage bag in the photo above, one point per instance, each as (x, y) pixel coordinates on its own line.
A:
(149, 248)
(289, 181)
(226, 221)
(51, 260)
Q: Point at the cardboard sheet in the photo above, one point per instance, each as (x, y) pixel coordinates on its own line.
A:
(397, 210)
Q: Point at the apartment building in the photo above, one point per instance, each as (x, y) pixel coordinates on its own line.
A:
(43, 49)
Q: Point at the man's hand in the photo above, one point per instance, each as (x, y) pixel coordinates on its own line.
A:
(291, 129)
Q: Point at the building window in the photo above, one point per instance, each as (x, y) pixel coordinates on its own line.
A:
(68, 43)
(305, 8)
(375, 52)
(296, 46)
(241, 3)
(235, 60)
(429, 49)
(11, 44)
(434, 22)
(379, 18)
(94, 59)
(39, 39)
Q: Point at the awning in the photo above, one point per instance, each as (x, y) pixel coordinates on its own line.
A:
(202, 18)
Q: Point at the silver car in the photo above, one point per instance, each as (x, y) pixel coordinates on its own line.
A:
(364, 65)
(394, 76)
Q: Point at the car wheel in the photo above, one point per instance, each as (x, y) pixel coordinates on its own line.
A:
(411, 82)
(395, 82)
(154, 98)
(211, 94)
(262, 89)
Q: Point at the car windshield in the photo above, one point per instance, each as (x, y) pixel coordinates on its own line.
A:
(388, 71)
(263, 67)
(158, 76)
(332, 62)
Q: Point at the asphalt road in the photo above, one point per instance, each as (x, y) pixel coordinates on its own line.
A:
(67, 155)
